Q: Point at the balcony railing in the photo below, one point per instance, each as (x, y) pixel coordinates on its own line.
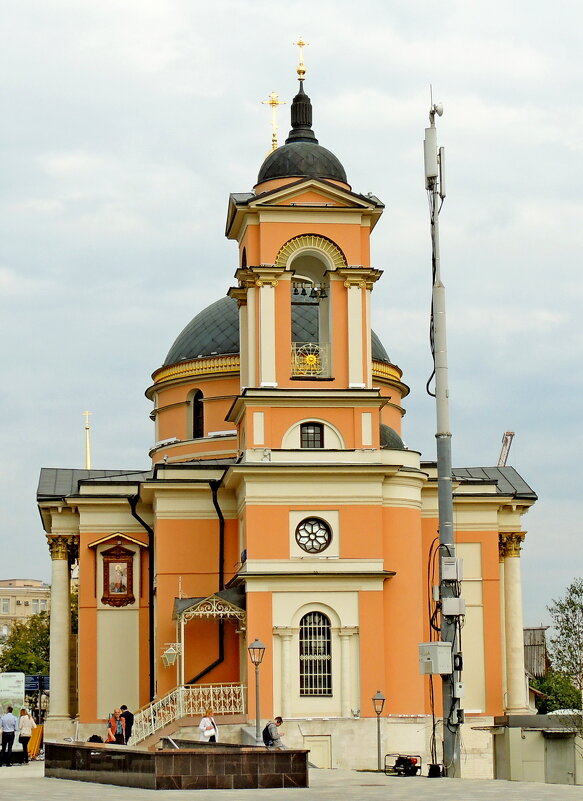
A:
(191, 700)
(311, 359)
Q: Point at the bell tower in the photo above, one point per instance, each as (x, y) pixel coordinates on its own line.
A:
(304, 287)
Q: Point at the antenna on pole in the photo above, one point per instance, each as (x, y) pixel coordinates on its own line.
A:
(87, 441)
(451, 605)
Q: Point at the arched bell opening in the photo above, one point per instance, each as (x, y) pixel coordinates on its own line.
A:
(310, 315)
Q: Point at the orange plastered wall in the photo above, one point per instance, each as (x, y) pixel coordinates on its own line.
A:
(250, 241)
(390, 415)
(203, 648)
(273, 235)
(279, 420)
(372, 658)
(232, 554)
(173, 421)
(360, 531)
(275, 183)
(267, 532)
(405, 609)
(260, 626)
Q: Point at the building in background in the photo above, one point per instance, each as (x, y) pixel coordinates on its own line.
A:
(282, 504)
(19, 600)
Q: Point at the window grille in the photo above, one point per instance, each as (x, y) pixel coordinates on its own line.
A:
(312, 435)
(315, 655)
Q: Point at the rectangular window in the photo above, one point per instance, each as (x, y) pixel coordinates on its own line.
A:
(43, 606)
(5, 606)
(312, 435)
(35, 606)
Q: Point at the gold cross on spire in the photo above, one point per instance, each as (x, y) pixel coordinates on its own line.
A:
(274, 102)
(301, 69)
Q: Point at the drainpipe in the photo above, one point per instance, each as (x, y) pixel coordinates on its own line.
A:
(133, 501)
(214, 486)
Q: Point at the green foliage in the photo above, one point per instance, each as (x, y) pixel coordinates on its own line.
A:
(560, 693)
(26, 648)
(566, 646)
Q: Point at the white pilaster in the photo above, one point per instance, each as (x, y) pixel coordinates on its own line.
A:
(355, 366)
(267, 374)
(346, 635)
(285, 635)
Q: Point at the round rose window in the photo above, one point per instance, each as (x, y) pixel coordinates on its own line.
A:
(313, 535)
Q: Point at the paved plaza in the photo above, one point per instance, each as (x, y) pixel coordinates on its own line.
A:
(27, 783)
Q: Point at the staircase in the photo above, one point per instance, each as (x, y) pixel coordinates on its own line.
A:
(188, 701)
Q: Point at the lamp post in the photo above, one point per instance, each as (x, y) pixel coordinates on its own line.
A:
(378, 701)
(256, 652)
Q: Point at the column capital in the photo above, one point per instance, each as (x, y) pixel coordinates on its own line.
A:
(60, 546)
(347, 631)
(283, 631)
(511, 543)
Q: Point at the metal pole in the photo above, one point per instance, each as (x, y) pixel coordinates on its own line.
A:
(379, 757)
(257, 709)
(433, 168)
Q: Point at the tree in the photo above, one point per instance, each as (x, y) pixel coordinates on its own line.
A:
(26, 649)
(566, 646)
(559, 693)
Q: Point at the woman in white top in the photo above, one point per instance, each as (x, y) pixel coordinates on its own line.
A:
(209, 732)
(25, 726)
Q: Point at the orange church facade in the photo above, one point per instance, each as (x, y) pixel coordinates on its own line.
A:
(281, 504)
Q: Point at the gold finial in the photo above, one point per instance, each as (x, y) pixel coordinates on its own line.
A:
(87, 442)
(274, 102)
(301, 69)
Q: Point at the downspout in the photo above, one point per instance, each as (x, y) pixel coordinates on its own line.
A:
(133, 501)
(214, 486)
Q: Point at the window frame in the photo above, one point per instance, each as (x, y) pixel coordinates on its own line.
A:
(309, 437)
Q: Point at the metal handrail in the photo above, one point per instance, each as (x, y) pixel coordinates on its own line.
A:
(188, 701)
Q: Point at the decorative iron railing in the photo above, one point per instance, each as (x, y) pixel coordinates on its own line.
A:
(310, 359)
(191, 700)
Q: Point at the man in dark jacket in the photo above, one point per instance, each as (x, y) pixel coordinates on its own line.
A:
(129, 719)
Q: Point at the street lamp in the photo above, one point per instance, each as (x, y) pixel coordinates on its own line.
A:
(378, 701)
(256, 652)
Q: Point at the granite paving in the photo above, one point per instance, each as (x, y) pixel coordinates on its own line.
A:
(28, 783)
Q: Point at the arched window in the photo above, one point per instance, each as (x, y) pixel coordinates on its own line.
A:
(311, 435)
(197, 415)
(315, 655)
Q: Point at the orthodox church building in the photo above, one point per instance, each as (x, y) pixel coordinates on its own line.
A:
(281, 505)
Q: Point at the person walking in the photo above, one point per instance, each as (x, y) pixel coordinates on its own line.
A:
(274, 733)
(209, 732)
(129, 719)
(9, 726)
(116, 729)
(26, 724)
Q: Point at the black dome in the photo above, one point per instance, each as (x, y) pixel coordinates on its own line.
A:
(215, 331)
(301, 160)
(390, 439)
(301, 156)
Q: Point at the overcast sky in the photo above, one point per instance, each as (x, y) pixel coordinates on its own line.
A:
(124, 126)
